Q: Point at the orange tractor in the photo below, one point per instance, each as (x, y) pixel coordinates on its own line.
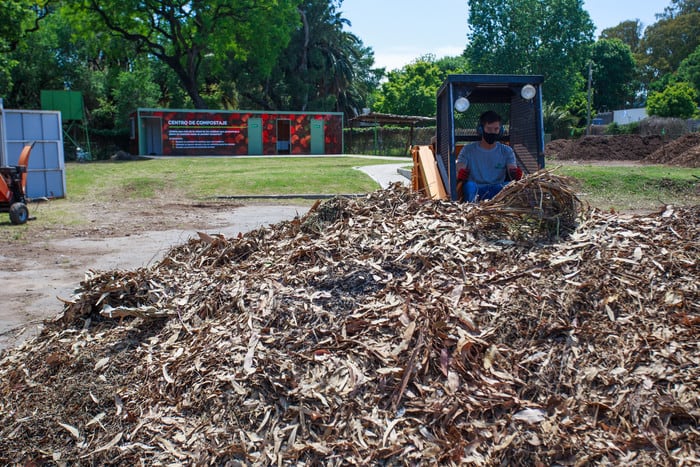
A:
(13, 184)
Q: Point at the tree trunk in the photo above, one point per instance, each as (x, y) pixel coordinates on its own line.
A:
(304, 62)
(188, 80)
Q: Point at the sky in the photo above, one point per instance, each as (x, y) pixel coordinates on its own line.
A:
(399, 31)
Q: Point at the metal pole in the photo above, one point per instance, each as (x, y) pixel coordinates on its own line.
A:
(590, 78)
(376, 148)
(3, 135)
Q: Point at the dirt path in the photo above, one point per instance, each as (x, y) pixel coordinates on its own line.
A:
(36, 275)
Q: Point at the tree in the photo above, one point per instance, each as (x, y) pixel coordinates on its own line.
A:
(18, 18)
(547, 37)
(689, 70)
(51, 59)
(183, 34)
(680, 7)
(324, 67)
(557, 121)
(677, 100)
(629, 32)
(671, 39)
(452, 65)
(614, 72)
(412, 90)
(578, 108)
(134, 89)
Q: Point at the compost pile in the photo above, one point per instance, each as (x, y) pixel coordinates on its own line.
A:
(683, 152)
(385, 330)
(618, 147)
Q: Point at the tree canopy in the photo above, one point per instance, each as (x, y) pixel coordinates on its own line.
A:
(412, 90)
(544, 37)
(629, 32)
(183, 34)
(18, 18)
(689, 70)
(672, 38)
(614, 73)
(325, 67)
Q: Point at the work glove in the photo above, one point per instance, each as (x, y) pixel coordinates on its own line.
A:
(463, 174)
(516, 173)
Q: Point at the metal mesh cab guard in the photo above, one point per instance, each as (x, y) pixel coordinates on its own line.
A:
(522, 119)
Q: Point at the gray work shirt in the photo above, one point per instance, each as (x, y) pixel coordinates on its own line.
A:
(486, 166)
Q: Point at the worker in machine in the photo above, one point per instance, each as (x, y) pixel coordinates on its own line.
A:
(486, 166)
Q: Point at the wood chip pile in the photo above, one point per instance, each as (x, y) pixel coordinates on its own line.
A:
(387, 330)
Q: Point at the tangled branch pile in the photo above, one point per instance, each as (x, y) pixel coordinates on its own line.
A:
(388, 329)
(541, 206)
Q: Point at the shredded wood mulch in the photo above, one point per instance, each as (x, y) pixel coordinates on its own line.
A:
(387, 330)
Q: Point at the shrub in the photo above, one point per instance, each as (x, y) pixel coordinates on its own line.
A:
(625, 129)
(676, 100)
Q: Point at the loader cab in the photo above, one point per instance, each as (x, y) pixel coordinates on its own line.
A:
(463, 98)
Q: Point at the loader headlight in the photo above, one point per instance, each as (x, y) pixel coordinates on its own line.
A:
(528, 92)
(461, 104)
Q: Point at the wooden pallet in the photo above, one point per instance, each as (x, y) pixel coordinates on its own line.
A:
(425, 176)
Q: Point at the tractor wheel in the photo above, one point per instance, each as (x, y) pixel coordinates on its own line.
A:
(19, 213)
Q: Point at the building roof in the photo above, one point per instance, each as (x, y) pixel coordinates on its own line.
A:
(390, 119)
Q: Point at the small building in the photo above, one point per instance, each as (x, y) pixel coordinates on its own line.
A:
(167, 132)
(627, 116)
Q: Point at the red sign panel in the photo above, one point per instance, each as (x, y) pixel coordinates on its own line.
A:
(188, 133)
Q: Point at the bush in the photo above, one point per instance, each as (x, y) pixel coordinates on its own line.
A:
(677, 100)
(578, 132)
(557, 121)
(625, 129)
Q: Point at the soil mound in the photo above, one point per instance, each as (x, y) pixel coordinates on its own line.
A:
(690, 158)
(602, 148)
(387, 330)
(553, 148)
(683, 152)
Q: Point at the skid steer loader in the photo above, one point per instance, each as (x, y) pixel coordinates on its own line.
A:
(460, 101)
(13, 185)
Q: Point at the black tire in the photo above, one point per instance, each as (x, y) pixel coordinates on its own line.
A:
(19, 214)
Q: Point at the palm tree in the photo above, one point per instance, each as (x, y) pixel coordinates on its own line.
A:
(324, 67)
(557, 121)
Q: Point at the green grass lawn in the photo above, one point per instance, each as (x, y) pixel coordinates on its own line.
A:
(605, 187)
(625, 188)
(200, 178)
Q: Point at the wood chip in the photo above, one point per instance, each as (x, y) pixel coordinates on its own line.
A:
(389, 329)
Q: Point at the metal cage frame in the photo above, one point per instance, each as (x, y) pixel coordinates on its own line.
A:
(522, 118)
